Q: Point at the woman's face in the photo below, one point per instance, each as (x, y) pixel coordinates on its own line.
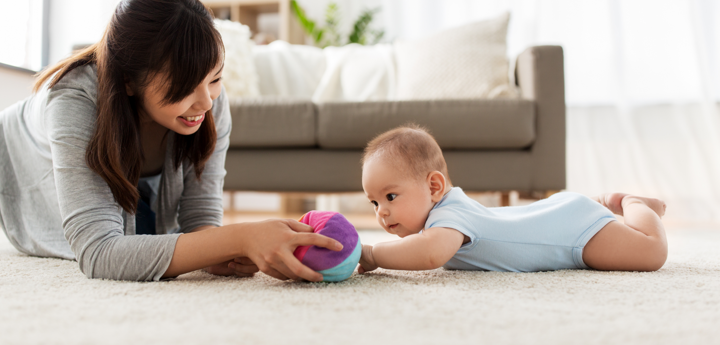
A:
(186, 116)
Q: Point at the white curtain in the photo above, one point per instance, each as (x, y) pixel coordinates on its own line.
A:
(21, 33)
(642, 86)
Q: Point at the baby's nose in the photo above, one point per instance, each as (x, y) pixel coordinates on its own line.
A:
(383, 211)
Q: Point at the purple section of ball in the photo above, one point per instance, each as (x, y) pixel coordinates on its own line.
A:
(340, 229)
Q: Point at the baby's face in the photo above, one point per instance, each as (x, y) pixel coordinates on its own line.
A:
(402, 204)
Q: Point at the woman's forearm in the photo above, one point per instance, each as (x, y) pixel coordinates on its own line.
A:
(205, 247)
(268, 244)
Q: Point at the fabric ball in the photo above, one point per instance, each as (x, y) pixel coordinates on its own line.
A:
(334, 266)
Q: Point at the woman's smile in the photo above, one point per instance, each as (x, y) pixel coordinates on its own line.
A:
(192, 121)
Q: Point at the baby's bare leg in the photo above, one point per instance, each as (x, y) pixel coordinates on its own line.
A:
(638, 245)
(613, 201)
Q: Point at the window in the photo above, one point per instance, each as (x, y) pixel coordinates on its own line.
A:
(22, 26)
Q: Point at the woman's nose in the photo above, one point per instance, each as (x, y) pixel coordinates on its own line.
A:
(203, 100)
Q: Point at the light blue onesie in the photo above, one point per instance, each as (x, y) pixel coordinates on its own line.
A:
(546, 235)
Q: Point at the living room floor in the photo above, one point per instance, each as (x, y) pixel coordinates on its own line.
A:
(50, 301)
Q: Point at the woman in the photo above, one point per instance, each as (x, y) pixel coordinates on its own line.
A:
(126, 139)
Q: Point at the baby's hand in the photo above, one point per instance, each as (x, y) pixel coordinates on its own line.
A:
(367, 262)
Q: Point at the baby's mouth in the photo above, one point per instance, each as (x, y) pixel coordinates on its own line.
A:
(393, 226)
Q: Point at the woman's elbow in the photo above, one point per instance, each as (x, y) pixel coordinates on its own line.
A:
(85, 263)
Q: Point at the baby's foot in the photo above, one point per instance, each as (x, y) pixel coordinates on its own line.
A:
(656, 205)
(613, 201)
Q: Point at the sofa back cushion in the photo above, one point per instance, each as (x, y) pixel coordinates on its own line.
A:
(455, 124)
(272, 123)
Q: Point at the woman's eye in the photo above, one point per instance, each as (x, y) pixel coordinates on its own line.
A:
(391, 197)
(216, 80)
(374, 203)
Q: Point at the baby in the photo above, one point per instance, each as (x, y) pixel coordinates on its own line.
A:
(405, 177)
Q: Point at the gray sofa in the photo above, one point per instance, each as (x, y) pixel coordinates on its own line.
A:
(286, 145)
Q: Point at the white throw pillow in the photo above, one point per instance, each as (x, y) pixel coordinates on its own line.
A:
(357, 73)
(288, 70)
(239, 76)
(465, 62)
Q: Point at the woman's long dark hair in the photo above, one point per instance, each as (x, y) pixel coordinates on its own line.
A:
(145, 37)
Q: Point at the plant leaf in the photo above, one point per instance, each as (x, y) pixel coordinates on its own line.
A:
(307, 24)
(359, 33)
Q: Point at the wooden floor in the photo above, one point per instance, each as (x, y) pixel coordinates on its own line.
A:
(360, 221)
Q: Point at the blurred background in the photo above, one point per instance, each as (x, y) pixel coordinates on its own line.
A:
(642, 78)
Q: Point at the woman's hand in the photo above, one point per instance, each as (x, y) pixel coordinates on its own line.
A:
(270, 245)
(367, 261)
(241, 267)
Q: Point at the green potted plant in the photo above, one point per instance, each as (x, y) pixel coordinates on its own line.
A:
(328, 35)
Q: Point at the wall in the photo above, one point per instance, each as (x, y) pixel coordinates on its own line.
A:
(15, 85)
(83, 21)
(77, 22)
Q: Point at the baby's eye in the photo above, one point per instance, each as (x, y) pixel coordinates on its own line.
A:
(374, 203)
(391, 197)
(216, 80)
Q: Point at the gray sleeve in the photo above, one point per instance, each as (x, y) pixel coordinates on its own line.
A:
(92, 220)
(201, 200)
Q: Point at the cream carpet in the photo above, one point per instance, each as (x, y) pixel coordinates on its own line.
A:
(48, 301)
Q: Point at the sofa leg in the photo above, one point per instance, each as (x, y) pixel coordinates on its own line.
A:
(328, 202)
(537, 194)
(292, 204)
(504, 198)
(228, 201)
(549, 193)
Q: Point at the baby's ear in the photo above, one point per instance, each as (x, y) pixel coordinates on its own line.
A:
(436, 181)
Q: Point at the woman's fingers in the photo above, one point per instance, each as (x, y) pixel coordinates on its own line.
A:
(247, 269)
(275, 241)
(282, 266)
(301, 271)
(244, 261)
(275, 274)
(242, 270)
(221, 269)
(242, 274)
(304, 239)
(299, 227)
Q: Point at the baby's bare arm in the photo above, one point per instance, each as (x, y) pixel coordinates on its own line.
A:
(426, 251)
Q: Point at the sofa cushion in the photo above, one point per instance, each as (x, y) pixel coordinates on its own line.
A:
(455, 124)
(272, 122)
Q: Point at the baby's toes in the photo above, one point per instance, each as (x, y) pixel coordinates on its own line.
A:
(656, 205)
(613, 202)
(661, 211)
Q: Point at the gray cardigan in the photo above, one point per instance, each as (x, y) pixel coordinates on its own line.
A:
(53, 205)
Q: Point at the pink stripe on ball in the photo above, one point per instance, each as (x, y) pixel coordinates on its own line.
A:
(335, 226)
(316, 219)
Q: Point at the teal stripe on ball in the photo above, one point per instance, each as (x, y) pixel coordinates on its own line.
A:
(345, 269)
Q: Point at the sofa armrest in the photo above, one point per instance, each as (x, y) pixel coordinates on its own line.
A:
(540, 76)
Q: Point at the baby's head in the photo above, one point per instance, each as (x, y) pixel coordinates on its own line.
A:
(404, 176)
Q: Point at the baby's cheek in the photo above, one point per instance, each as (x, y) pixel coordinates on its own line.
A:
(417, 222)
(420, 217)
